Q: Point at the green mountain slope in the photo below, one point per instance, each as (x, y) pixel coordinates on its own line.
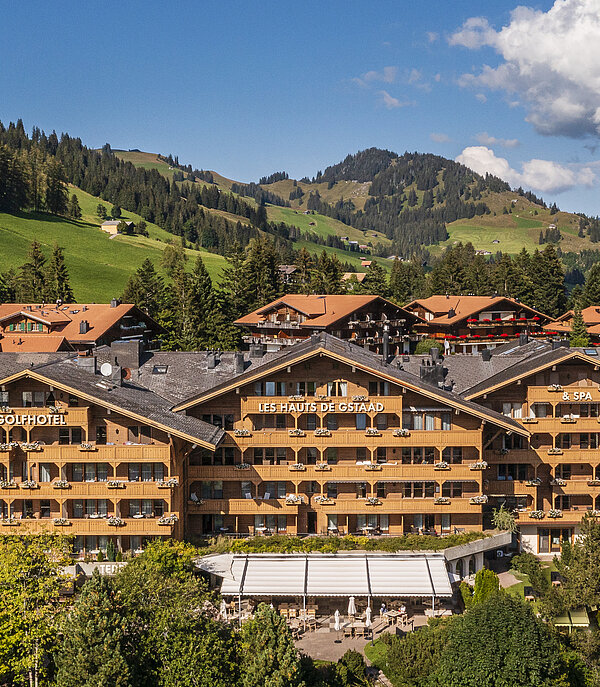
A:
(99, 266)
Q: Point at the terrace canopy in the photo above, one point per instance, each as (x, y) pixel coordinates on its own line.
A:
(329, 575)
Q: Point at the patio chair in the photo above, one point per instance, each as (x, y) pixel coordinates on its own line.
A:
(293, 613)
(555, 578)
(529, 594)
(347, 632)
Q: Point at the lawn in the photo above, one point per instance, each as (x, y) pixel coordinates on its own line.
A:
(99, 266)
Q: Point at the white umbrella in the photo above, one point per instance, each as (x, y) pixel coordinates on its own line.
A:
(351, 606)
(223, 610)
(368, 618)
(336, 615)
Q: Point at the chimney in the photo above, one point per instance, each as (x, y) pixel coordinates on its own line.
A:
(434, 353)
(257, 351)
(386, 344)
(87, 362)
(523, 338)
(84, 308)
(117, 375)
(432, 373)
(451, 313)
(127, 354)
(486, 354)
(84, 327)
(114, 303)
(238, 363)
(211, 360)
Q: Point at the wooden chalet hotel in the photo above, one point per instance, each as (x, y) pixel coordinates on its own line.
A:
(322, 436)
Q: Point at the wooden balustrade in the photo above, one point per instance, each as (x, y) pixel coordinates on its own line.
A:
(243, 507)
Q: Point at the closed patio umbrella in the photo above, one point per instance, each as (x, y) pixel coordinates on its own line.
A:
(351, 606)
(336, 616)
(223, 610)
(368, 618)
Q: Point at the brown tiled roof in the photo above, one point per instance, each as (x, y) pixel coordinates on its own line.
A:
(65, 319)
(321, 311)
(359, 276)
(34, 343)
(464, 306)
(591, 317)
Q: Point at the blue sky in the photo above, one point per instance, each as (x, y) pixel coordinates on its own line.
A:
(248, 89)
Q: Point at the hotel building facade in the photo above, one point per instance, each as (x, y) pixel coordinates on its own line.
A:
(322, 437)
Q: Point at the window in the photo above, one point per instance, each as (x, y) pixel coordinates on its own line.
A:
(452, 454)
(361, 421)
(101, 435)
(512, 409)
(35, 399)
(446, 421)
(588, 410)
(332, 521)
(77, 472)
(419, 489)
(280, 421)
(332, 421)
(311, 455)
(381, 490)
(4, 398)
(212, 490)
(541, 410)
(45, 508)
(311, 421)
(429, 422)
(418, 455)
(69, 435)
(563, 471)
(246, 490)
(588, 440)
(511, 472)
(332, 490)
(361, 454)
(45, 472)
(564, 441)
(381, 454)
(452, 489)
(563, 502)
(332, 455)
(379, 388)
(512, 441)
(381, 421)
(337, 388)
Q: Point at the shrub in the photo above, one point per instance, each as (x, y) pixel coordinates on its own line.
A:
(528, 564)
(425, 345)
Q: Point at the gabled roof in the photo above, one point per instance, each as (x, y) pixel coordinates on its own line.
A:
(526, 368)
(591, 317)
(464, 306)
(355, 356)
(65, 319)
(321, 310)
(34, 343)
(129, 400)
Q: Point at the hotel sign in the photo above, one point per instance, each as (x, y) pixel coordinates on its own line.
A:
(577, 396)
(329, 407)
(11, 419)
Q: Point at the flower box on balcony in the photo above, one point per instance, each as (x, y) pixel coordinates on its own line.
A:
(6, 484)
(324, 500)
(401, 433)
(360, 397)
(5, 409)
(322, 467)
(115, 521)
(168, 519)
(568, 419)
(537, 514)
(479, 465)
(372, 432)
(10, 522)
(34, 446)
(296, 433)
(555, 387)
(372, 466)
(441, 466)
(501, 451)
(293, 499)
(478, 500)
(297, 467)
(441, 501)
(170, 483)
(115, 484)
(29, 484)
(530, 420)
(5, 447)
(593, 482)
(242, 466)
(61, 522)
(322, 432)
(242, 433)
(296, 397)
(56, 410)
(87, 447)
(535, 482)
(61, 484)
(373, 501)
(558, 482)
(555, 451)
(594, 513)
(555, 513)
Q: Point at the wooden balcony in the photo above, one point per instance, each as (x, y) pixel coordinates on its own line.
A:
(117, 453)
(83, 526)
(147, 490)
(577, 486)
(396, 504)
(509, 488)
(254, 405)
(543, 394)
(341, 471)
(354, 437)
(568, 517)
(242, 507)
(561, 425)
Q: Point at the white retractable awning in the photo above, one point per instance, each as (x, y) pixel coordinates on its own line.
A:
(342, 574)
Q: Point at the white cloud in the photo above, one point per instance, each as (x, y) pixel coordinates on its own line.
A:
(391, 103)
(437, 78)
(439, 138)
(481, 97)
(541, 175)
(486, 140)
(551, 63)
(414, 76)
(386, 75)
(432, 36)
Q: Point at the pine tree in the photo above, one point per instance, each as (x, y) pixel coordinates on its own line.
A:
(57, 283)
(32, 276)
(375, 281)
(407, 282)
(56, 192)
(591, 290)
(201, 303)
(73, 210)
(101, 211)
(146, 289)
(549, 282)
(578, 337)
(92, 653)
(115, 213)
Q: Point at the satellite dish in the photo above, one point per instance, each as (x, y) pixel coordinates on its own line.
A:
(106, 369)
